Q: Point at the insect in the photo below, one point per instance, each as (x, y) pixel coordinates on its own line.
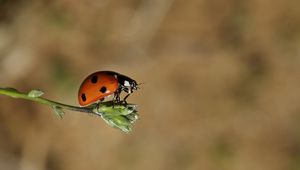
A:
(99, 85)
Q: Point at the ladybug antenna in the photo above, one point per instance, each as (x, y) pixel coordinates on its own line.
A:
(137, 86)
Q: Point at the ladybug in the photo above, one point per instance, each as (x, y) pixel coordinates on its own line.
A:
(99, 85)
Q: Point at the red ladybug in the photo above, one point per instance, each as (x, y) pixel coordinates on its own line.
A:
(101, 84)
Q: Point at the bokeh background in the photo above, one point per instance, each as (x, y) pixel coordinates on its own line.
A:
(221, 90)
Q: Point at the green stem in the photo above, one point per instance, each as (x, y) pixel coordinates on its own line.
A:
(117, 115)
(16, 94)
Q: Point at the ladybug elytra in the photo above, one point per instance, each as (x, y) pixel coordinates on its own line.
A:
(99, 85)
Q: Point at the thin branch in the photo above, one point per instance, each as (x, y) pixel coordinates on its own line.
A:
(16, 94)
(117, 115)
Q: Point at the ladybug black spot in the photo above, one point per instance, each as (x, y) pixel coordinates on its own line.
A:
(83, 97)
(94, 79)
(103, 89)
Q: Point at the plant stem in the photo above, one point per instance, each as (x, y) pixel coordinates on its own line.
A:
(117, 115)
(16, 94)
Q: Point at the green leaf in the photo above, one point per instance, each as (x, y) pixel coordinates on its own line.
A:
(117, 115)
(35, 93)
(59, 112)
(119, 122)
(132, 117)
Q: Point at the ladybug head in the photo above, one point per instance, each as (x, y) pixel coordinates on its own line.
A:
(130, 85)
(127, 84)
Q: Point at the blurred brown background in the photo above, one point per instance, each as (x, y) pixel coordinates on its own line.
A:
(221, 88)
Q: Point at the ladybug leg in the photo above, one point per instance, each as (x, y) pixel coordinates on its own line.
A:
(116, 98)
(124, 100)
